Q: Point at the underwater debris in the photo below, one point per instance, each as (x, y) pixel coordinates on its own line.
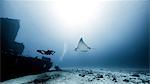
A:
(114, 79)
(99, 76)
(145, 81)
(126, 80)
(135, 75)
(82, 75)
(57, 68)
(82, 47)
(90, 80)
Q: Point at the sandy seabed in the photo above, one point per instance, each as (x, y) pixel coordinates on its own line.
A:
(85, 76)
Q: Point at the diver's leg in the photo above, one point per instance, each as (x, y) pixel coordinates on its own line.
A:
(53, 53)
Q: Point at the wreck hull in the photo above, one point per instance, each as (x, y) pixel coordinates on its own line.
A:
(13, 64)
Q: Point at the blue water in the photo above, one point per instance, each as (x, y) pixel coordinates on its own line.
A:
(118, 36)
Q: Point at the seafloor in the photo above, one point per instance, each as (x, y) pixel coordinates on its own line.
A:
(86, 76)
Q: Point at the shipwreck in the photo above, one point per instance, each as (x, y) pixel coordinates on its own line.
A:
(13, 63)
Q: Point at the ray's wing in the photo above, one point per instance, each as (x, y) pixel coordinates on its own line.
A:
(82, 46)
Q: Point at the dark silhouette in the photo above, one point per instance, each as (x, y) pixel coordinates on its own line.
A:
(82, 46)
(9, 30)
(57, 68)
(13, 64)
(48, 52)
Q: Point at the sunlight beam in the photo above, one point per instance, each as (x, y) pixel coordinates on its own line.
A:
(75, 12)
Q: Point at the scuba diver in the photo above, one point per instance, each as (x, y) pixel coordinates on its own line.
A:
(44, 52)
